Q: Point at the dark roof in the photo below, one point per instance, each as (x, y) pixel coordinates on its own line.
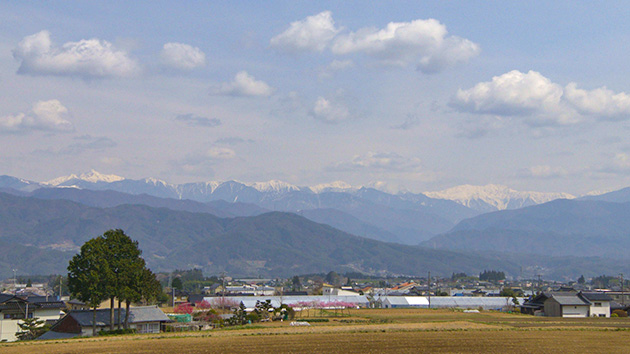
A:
(136, 315)
(597, 297)
(5, 297)
(573, 300)
(57, 335)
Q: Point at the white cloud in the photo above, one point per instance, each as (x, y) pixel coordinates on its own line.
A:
(314, 33)
(379, 161)
(513, 93)
(221, 153)
(244, 85)
(88, 58)
(600, 102)
(45, 115)
(425, 43)
(622, 160)
(330, 110)
(546, 171)
(540, 101)
(182, 56)
(198, 121)
(334, 66)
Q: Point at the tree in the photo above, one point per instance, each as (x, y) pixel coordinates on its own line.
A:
(581, 280)
(297, 285)
(31, 328)
(177, 284)
(90, 276)
(110, 266)
(125, 263)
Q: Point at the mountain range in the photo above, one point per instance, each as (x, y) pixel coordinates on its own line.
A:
(41, 235)
(179, 225)
(407, 218)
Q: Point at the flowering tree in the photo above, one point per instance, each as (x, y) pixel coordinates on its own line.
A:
(183, 308)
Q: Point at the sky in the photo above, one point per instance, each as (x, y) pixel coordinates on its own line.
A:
(406, 95)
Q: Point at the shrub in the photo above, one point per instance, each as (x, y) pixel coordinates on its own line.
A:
(619, 313)
(183, 308)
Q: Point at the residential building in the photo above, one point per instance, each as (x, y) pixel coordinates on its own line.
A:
(144, 319)
(14, 309)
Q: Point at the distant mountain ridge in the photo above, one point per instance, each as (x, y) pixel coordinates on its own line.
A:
(270, 244)
(557, 228)
(493, 197)
(407, 218)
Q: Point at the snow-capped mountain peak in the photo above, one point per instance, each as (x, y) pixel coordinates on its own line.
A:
(92, 177)
(274, 186)
(337, 186)
(498, 196)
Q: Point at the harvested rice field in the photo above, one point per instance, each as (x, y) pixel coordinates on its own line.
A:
(373, 331)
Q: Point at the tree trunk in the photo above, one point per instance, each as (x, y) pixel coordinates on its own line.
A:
(119, 314)
(112, 307)
(94, 321)
(127, 304)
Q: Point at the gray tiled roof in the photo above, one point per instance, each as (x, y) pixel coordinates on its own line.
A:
(136, 315)
(597, 297)
(570, 300)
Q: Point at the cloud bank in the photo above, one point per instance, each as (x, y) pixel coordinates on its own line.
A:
(89, 58)
(182, 56)
(423, 43)
(44, 116)
(244, 85)
(541, 102)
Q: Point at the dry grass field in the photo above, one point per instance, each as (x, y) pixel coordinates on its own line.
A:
(374, 331)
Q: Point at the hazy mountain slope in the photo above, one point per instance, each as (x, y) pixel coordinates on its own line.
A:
(619, 196)
(561, 227)
(348, 223)
(270, 244)
(410, 226)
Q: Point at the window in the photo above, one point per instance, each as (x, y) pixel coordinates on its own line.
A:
(597, 304)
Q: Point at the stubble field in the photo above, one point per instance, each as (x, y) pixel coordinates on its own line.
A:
(374, 331)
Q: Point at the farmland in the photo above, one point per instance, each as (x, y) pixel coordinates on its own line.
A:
(373, 331)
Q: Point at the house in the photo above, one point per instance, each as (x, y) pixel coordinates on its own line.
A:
(567, 306)
(568, 303)
(338, 292)
(13, 309)
(144, 319)
(600, 304)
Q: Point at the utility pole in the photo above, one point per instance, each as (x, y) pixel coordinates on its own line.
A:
(622, 294)
(14, 281)
(539, 283)
(429, 287)
(223, 290)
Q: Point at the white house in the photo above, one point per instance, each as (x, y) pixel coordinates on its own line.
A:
(600, 304)
(13, 309)
(567, 306)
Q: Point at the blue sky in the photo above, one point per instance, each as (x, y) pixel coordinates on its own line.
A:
(418, 95)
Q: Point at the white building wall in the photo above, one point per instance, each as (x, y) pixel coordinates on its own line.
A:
(575, 311)
(600, 311)
(8, 328)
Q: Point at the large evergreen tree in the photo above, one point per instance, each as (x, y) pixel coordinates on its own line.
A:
(124, 258)
(90, 275)
(110, 266)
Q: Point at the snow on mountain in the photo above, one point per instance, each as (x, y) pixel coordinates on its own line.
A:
(337, 186)
(92, 177)
(495, 196)
(273, 186)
